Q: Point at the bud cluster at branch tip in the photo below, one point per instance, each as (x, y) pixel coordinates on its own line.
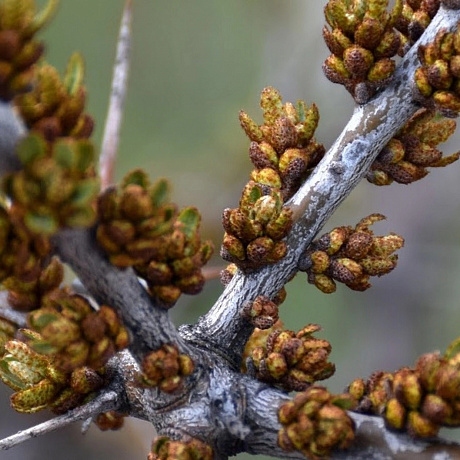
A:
(412, 150)
(292, 361)
(437, 81)
(139, 227)
(166, 368)
(55, 106)
(362, 41)
(415, 17)
(284, 152)
(350, 256)
(261, 313)
(19, 51)
(418, 400)
(58, 362)
(22, 253)
(57, 185)
(316, 423)
(164, 448)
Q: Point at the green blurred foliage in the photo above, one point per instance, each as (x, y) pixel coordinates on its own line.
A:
(194, 66)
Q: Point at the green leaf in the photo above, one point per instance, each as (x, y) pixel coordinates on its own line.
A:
(85, 191)
(43, 347)
(74, 74)
(65, 154)
(85, 155)
(40, 223)
(41, 320)
(160, 192)
(42, 17)
(8, 378)
(190, 219)
(453, 349)
(136, 177)
(81, 217)
(31, 147)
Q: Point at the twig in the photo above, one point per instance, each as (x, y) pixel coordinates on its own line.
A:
(17, 317)
(114, 118)
(103, 403)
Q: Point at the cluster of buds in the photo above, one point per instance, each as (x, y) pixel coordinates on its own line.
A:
(140, 228)
(437, 81)
(40, 384)
(22, 253)
(415, 17)
(362, 41)
(419, 400)
(283, 151)
(407, 156)
(316, 423)
(166, 368)
(293, 361)
(39, 291)
(350, 256)
(19, 51)
(164, 448)
(262, 313)
(57, 186)
(55, 106)
(75, 335)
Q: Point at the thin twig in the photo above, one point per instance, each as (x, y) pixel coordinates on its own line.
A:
(103, 403)
(114, 118)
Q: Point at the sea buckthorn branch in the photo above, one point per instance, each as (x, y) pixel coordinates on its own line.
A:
(231, 411)
(344, 165)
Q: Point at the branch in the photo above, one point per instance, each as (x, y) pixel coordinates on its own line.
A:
(347, 161)
(114, 118)
(11, 130)
(104, 402)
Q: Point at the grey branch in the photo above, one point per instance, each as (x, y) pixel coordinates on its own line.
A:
(105, 402)
(345, 164)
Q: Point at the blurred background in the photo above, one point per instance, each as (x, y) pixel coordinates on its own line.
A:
(194, 66)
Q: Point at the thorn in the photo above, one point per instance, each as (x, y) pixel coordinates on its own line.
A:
(113, 121)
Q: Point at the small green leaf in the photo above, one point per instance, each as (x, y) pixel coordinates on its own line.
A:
(136, 177)
(85, 154)
(65, 154)
(160, 192)
(453, 349)
(40, 223)
(81, 217)
(190, 219)
(31, 147)
(85, 191)
(43, 347)
(42, 17)
(41, 320)
(74, 74)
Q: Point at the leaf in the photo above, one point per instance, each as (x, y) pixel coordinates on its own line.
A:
(136, 177)
(160, 192)
(453, 349)
(31, 147)
(74, 74)
(190, 219)
(64, 153)
(85, 155)
(42, 17)
(85, 191)
(40, 223)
